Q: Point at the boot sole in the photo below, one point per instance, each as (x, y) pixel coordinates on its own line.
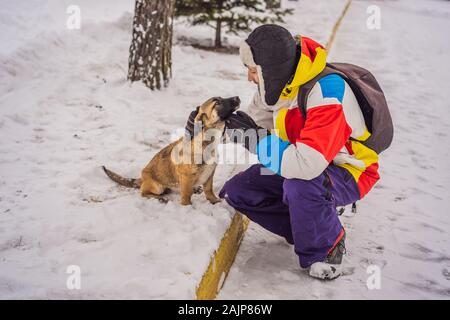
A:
(325, 271)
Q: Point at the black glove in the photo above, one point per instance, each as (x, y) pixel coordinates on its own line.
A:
(189, 129)
(241, 120)
(238, 126)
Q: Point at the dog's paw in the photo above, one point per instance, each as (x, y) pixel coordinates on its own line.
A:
(214, 200)
(163, 199)
(198, 190)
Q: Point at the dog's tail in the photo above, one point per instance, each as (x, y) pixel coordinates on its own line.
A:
(130, 183)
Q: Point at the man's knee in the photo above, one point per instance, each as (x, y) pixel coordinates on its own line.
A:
(234, 187)
(251, 189)
(238, 185)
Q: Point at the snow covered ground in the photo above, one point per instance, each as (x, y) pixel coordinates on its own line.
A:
(65, 110)
(403, 225)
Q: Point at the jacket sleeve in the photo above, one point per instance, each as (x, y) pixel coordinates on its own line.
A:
(323, 136)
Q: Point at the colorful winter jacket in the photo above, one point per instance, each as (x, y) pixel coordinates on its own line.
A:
(303, 148)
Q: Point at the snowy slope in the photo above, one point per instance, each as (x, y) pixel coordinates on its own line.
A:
(65, 110)
(403, 225)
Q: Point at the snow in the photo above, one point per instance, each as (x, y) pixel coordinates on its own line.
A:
(67, 109)
(402, 226)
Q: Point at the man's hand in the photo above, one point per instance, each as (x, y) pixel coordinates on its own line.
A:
(242, 129)
(241, 120)
(189, 129)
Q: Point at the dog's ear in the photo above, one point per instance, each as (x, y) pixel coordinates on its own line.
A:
(200, 115)
(204, 112)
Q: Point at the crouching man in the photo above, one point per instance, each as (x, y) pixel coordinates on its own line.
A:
(317, 141)
(311, 158)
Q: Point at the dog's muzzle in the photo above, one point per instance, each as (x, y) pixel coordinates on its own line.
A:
(225, 107)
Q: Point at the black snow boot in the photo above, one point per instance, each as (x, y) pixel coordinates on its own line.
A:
(331, 267)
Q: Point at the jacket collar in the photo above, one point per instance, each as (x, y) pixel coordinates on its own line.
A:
(312, 61)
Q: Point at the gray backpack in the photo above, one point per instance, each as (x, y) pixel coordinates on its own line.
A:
(370, 98)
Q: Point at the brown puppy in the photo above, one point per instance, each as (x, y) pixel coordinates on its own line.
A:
(186, 163)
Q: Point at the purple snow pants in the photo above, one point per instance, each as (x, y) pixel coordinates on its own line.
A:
(301, 211)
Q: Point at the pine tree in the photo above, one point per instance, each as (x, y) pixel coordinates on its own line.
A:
(233, 15)
(150, 57)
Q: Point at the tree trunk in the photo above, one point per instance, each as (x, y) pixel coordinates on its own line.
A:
(151, 44)
(218, 42)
